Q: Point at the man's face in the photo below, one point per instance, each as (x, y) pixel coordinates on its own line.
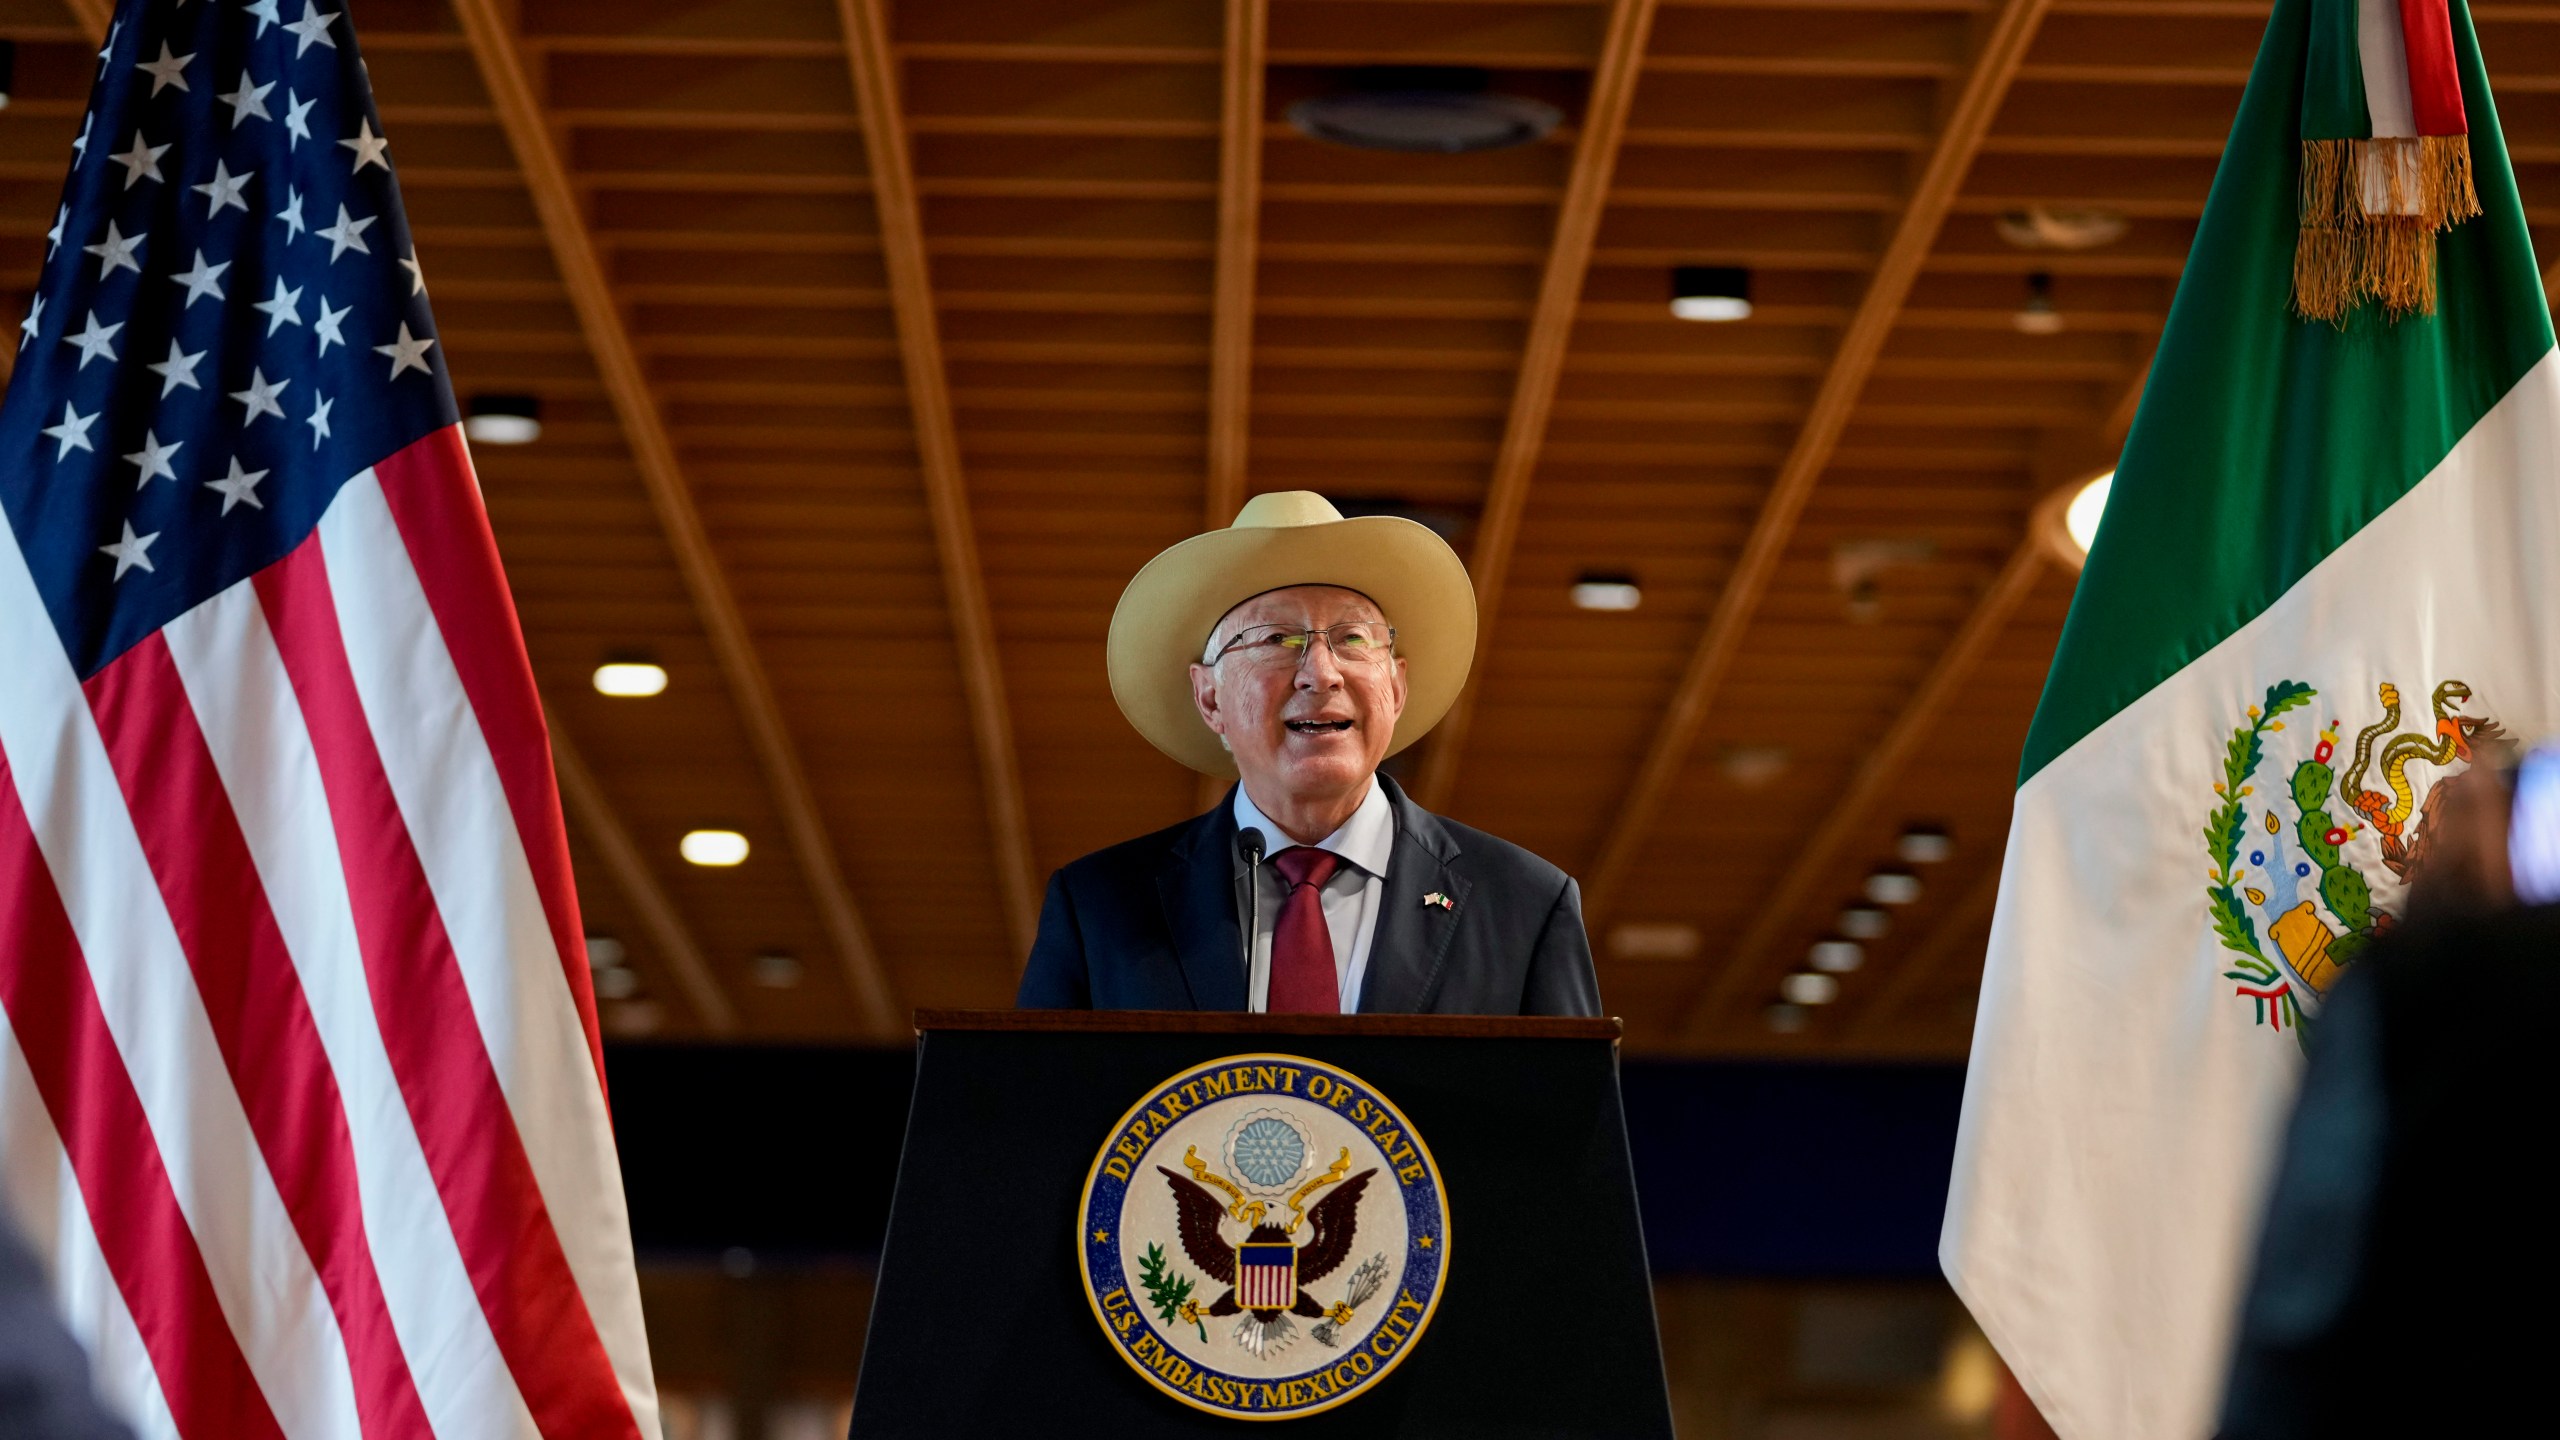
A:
(1308, 730)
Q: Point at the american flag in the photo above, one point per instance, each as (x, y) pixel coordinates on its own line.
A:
(300, 1089)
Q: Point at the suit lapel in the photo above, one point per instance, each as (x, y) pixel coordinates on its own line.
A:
(1198, 889)
(1413, 937)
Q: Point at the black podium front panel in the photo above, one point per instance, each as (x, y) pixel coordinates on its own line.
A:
(981, 1326)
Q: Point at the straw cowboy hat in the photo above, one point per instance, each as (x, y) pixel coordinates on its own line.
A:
(1290, 537)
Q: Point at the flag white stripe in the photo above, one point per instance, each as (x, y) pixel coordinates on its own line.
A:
(447, 785)
(44, 1202)
(236, 684)
(261, 1275)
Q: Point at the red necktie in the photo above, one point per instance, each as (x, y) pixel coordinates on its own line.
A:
(1301, 947)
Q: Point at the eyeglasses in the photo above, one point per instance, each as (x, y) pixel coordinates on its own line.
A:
(1284, 647)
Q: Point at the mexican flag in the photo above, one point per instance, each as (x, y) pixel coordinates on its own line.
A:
(2327, 584)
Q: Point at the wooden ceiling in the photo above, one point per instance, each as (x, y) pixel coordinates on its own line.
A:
(879, 344)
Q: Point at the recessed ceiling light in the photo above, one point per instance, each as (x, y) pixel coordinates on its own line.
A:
(503, 419)
(777, 969)
(2056, 227)
(630, 679)
(603, 950)
(1663, 940)
(1785, 1019)
(1924, 845)
(634, 1017)
(2080, 519)
(1838, 957)
(1807, 987)
(616, 982)
(713, 847)
(1607, 590)
(1864, 922)
(1753, 766)
(2037, 316)
(1893, 887)
(1711, 292)
(1423, 109)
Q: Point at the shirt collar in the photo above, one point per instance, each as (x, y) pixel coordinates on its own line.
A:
(1366, 839)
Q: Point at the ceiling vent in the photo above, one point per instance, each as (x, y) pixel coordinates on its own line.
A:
(1426, 110)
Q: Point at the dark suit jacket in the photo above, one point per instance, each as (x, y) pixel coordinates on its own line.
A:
(1156, 924)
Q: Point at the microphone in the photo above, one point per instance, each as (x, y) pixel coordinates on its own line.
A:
(1250, 844)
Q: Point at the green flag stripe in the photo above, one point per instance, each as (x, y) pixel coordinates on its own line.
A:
(2264, 441)
(2333, 76)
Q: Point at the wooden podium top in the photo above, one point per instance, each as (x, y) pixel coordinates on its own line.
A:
(1233, 1022)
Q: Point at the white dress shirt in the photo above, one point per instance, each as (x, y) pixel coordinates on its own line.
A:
(1351, 898)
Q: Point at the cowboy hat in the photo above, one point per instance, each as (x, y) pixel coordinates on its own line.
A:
(1289, 537)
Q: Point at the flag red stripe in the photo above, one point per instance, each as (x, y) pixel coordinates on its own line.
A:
(536, 1312)
(260, 1016)
(53, 1009)
(2435, 86)
(435, 502)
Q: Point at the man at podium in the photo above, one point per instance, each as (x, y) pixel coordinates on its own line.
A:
(1295, 650)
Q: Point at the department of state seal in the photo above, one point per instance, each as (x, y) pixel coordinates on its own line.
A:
(1264, 1236)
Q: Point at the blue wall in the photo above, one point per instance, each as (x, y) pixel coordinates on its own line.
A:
(1793, 1170)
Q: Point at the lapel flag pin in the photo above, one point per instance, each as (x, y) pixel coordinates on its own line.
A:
(1443, 901)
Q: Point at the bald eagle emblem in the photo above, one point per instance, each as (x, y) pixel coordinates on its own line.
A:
(1263, 1235)
(1267, 1272)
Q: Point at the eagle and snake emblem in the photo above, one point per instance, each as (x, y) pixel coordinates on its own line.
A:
(2295, 890)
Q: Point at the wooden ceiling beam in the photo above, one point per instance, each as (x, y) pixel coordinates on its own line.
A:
(1885, 763)
(93, 17)
(1929, 959)
(1845, 819)
(1239, 224)
(1969, 118)
(653, 453)
(902, 249)
(1533, 393)
(668, 934)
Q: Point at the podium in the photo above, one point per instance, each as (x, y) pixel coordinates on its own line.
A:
(1005, 1305)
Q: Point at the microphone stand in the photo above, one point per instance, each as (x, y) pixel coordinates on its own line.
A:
(1250, 844)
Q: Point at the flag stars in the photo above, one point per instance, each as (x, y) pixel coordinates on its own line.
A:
(347, 234)
(318, 419)
(53, 237)
(417, 276)
(267, 12)
(326, 327)
(72, 434)
(368, 146)
(291, 215)
(406, 353)
(142, 162)
(166, 71)
(282, 308)
(201, 280)
(312, 29)
(108, 49)
(133, 552)
(260, 397)
(153, 459)
(28, 327)
(116, 252)
(178, 370)
(93, 339)
(224, 190)
(249, 102)
(240, 487)
(297, 119)
(80, 145)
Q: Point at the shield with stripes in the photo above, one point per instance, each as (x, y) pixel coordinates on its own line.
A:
(1266, 1275)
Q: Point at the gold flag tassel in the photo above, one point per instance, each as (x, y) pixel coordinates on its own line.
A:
(2370, 213)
